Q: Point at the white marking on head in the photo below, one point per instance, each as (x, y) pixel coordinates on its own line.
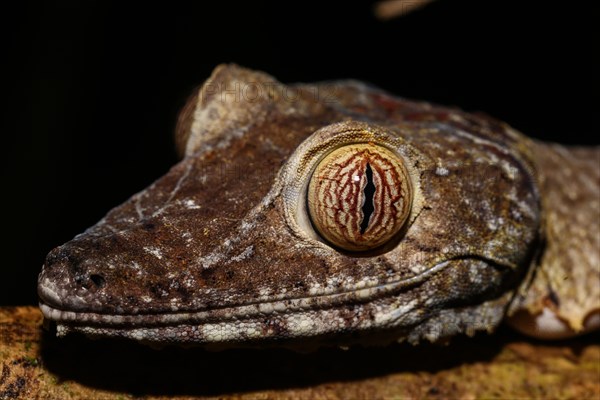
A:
(441, 171)
(155, 251)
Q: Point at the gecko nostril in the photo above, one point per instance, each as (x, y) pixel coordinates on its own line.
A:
(98, 280)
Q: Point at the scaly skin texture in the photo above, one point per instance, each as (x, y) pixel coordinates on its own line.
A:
(221, 251)
(567, 280)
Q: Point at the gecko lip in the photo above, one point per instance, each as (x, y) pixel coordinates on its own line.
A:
(56, 309)
(317, 316)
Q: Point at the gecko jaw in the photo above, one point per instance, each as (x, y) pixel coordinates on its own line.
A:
(203, 328)
(378, 307)
(383, 313)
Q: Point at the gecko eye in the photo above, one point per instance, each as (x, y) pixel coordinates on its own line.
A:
(359, 196)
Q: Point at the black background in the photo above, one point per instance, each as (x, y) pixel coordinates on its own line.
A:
(91, 89)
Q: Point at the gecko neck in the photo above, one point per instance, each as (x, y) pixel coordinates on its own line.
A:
(569, 182)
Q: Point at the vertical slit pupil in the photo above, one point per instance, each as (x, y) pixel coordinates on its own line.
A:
(368, 207)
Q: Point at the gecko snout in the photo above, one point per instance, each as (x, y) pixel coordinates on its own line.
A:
(68, 278)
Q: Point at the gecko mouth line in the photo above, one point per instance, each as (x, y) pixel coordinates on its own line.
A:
(48, 300)
(247, 311)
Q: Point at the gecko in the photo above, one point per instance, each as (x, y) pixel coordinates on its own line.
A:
(337, 214)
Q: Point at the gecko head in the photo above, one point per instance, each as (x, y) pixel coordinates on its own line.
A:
(304, 212)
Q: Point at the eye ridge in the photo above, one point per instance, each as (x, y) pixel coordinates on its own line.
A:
(368, 207)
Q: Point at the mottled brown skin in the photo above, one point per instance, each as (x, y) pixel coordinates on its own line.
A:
(219, 249)
(567, 279)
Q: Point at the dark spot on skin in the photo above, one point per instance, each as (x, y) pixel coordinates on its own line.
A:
(552, 299)
(261, 217)
(184, 294)
(149, 226)
(370, 315)
(209, 303)
(367, 207)
(159, 291)
(208, 276)
(348, 314)
(324, 265)
(275, 326)
(98, 280)
(81, 281)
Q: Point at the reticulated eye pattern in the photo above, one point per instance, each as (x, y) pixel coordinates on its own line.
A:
(359, 196)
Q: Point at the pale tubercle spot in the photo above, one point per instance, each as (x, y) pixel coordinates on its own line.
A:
(191, 204)
(155, 251)
(549, 326)
(441, 171)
